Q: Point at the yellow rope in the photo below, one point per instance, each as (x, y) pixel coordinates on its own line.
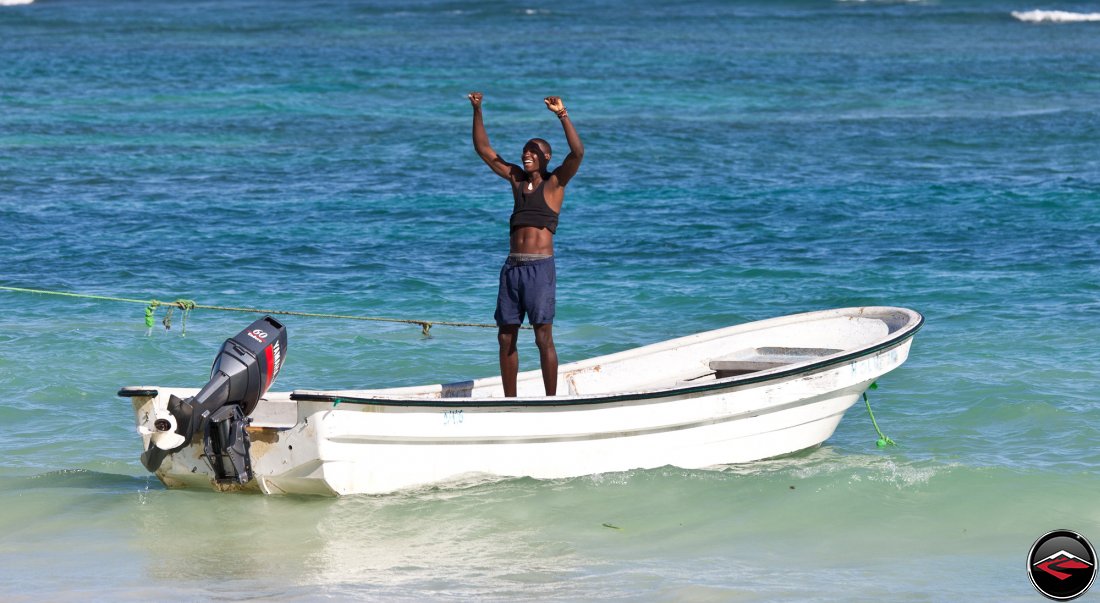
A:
(188, 305)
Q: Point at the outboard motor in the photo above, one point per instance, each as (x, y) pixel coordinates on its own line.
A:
(243, 371)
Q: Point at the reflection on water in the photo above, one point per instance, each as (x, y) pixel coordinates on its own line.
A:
(472, 538)
(677, 534)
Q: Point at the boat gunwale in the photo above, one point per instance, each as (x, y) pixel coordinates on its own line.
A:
(737, 381)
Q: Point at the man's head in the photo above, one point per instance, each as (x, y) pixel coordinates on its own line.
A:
(536, 155)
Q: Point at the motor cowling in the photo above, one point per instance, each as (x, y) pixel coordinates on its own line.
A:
(242, 372)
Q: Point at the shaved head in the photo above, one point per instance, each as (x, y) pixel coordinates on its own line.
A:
(543, 146)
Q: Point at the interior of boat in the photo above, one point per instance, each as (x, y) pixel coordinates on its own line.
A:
(719, 354)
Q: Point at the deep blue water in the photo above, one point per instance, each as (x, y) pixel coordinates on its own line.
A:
(743, 160)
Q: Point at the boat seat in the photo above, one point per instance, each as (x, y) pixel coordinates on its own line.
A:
(740, 367)
(762, 359)
(803, 353)
(275, 414)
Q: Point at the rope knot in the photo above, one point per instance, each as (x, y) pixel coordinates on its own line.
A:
(186, 305)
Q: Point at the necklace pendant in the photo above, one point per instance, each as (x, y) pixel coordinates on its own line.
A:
(530, 186)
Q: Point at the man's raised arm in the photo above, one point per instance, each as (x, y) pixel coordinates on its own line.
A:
(572, 162)
(481, 142)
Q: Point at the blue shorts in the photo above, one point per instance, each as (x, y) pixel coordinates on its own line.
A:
(527, 287)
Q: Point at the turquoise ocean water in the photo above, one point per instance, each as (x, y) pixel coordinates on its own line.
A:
(744, 160)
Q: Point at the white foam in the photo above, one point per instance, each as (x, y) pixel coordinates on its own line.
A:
(14, 2)
(1054, 16)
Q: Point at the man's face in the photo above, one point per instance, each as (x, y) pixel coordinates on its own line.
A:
(534, 157)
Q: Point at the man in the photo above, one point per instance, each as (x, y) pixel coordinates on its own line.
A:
(527, 279)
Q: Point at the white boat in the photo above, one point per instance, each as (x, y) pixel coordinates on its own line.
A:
(732, 395)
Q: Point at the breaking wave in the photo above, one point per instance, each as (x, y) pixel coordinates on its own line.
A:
(14, 2)
(1054, 16)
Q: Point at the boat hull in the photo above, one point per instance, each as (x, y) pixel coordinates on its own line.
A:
(379, 441)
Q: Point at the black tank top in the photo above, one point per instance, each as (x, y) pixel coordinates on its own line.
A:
(531, 209)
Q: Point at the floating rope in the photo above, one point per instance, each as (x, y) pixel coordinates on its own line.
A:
(187, 306)
(883, 441)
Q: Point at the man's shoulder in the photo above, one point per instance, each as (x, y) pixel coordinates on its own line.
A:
(515, 174)
(555, 180)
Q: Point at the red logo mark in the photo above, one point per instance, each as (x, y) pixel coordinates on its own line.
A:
(1062, 561)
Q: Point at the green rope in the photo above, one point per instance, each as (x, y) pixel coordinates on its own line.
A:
(167, 320)
(883, 441)
(187, 306)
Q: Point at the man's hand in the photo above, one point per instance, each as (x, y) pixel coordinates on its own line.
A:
(554, 103)
(475, 99)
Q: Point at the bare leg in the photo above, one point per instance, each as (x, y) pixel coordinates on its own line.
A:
(509, 358)
(548, 357)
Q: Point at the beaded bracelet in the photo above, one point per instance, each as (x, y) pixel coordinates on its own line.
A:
(561, 114)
